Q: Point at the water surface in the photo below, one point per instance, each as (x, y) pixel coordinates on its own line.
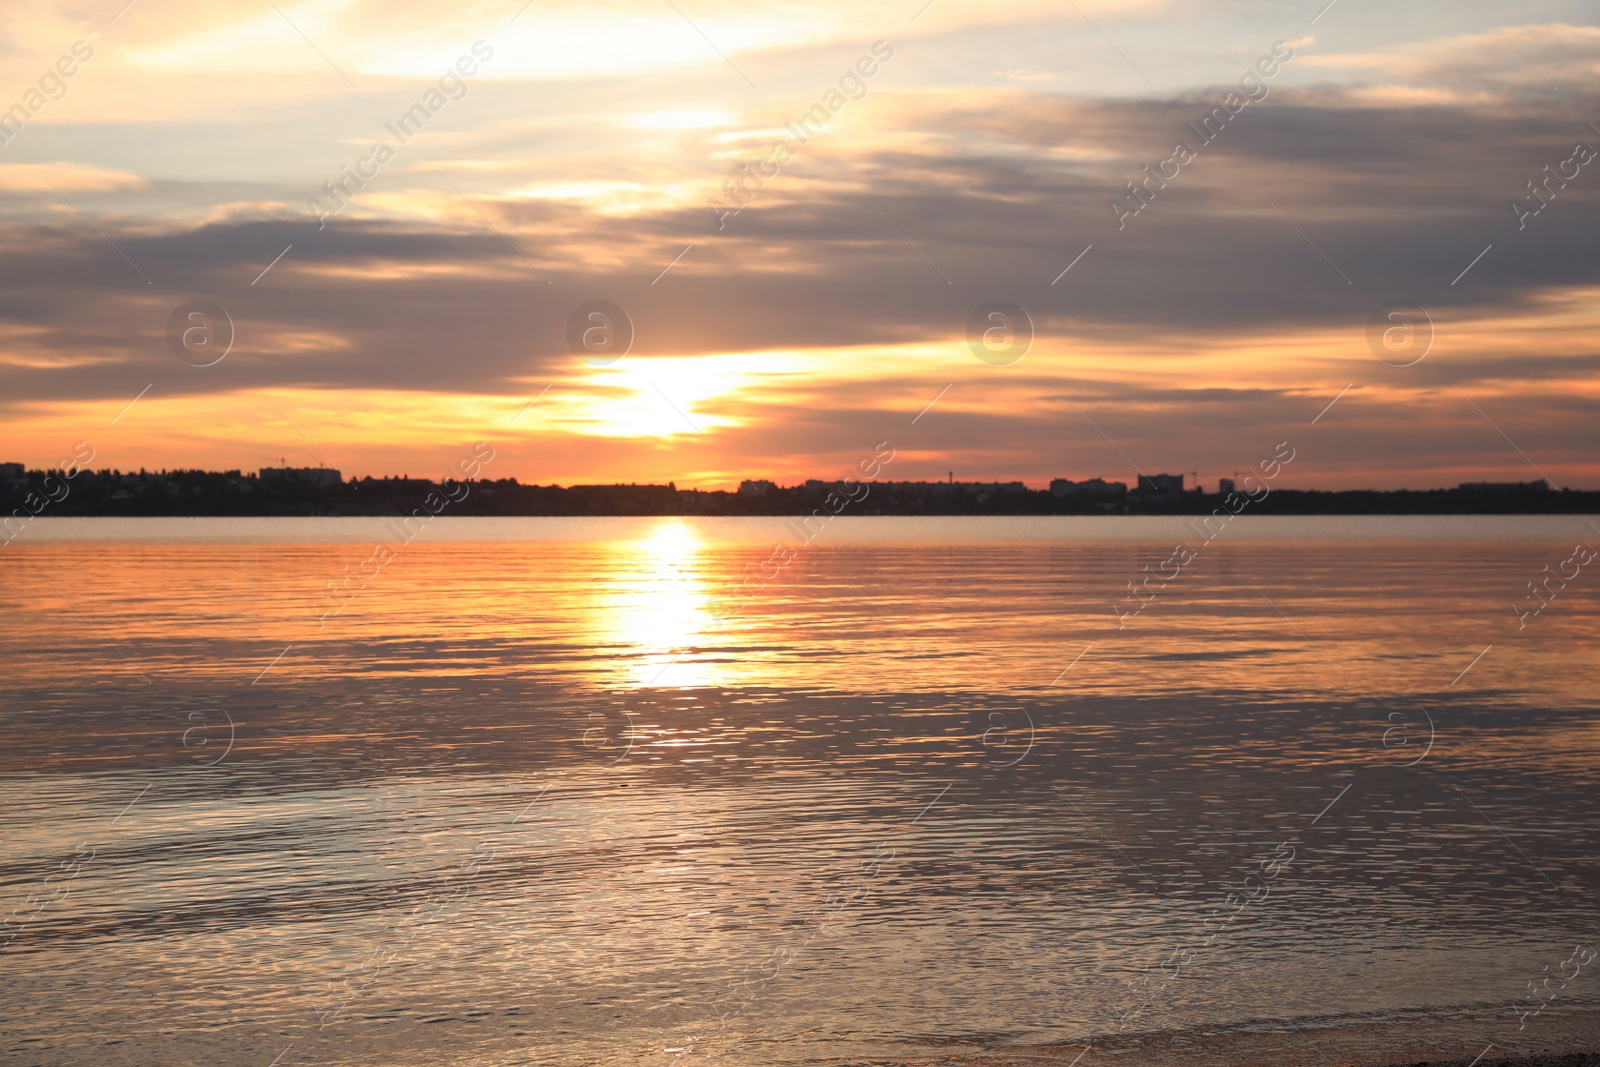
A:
(627, 790)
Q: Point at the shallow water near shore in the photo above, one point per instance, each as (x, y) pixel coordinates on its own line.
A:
(630, 790)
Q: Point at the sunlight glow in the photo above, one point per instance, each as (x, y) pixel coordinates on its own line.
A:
(680, 120)
(660, 606)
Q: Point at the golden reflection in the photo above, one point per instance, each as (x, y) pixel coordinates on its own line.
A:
(660, 607)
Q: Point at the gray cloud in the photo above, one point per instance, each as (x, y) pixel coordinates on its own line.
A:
(1400, 199)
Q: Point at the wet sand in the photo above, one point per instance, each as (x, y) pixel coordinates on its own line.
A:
(1472, 1037)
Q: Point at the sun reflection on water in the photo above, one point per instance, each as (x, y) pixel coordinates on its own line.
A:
(660, 607)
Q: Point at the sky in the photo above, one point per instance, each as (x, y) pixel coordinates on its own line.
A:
(798, 291)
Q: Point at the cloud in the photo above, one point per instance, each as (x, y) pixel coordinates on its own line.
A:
(1389, 195)
(1487, 67)
(834, 307)
(67, 177)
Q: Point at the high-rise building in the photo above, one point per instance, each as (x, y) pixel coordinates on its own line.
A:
(1160, 483)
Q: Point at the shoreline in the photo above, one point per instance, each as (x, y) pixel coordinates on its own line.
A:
(1477, 1036)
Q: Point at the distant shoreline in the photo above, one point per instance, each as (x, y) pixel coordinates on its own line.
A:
(201, 494)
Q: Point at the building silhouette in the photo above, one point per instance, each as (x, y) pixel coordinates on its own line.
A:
(319, 476)
(1160, 484)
